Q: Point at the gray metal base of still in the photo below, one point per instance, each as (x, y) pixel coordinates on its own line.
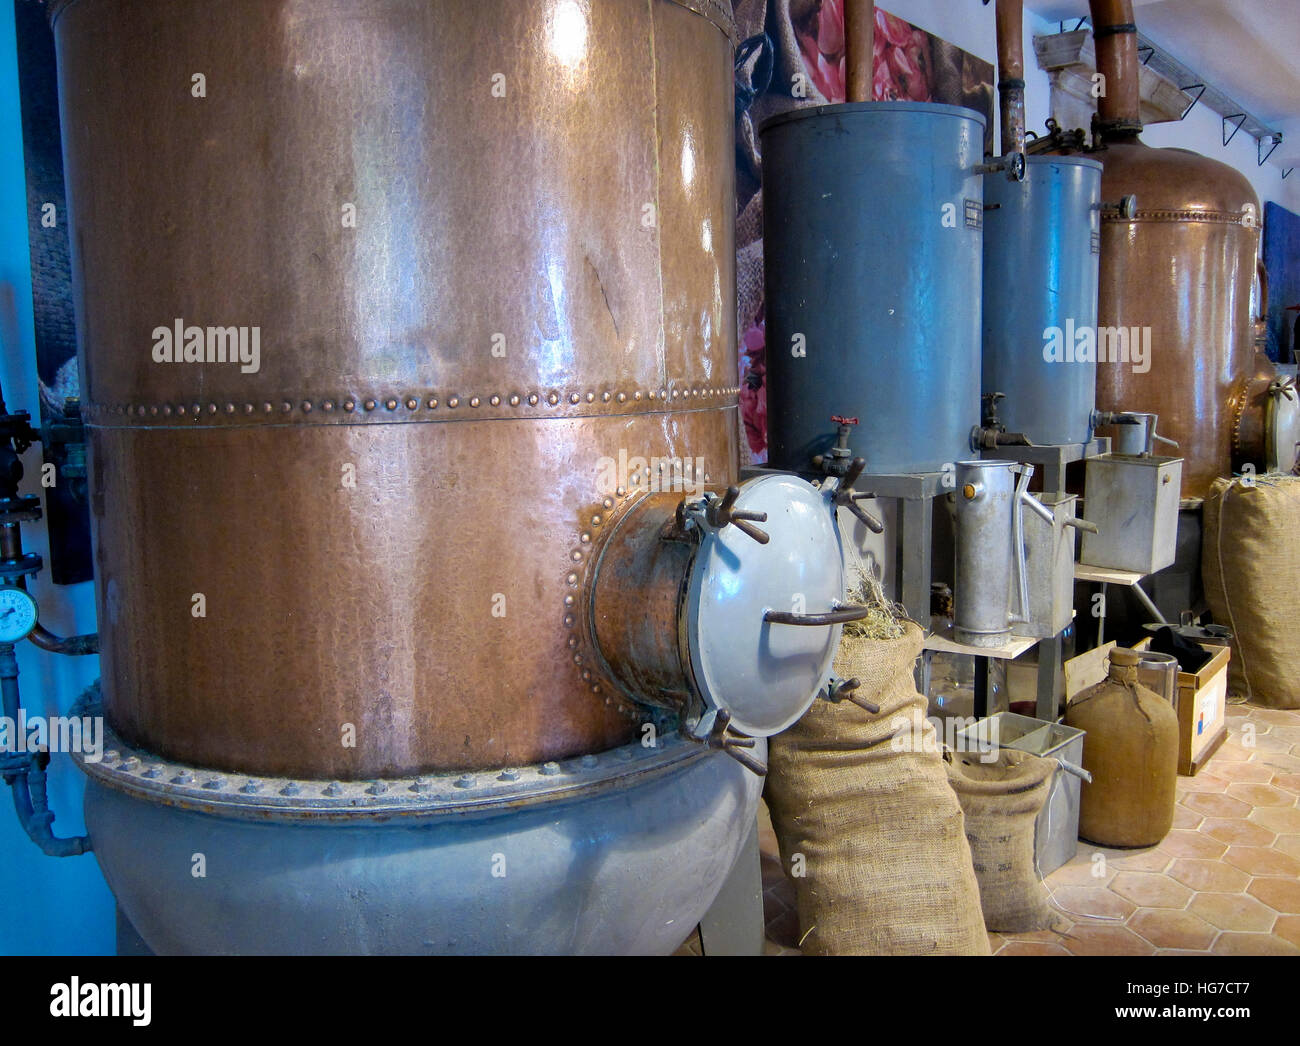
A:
(625, 864)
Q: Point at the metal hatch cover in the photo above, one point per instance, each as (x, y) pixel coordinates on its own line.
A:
(766, 674)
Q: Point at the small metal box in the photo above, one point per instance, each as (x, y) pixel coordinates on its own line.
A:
(1056, 832)
(1134, 502)
(1049, 569)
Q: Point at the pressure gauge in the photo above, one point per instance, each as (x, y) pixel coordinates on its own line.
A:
(17, 614)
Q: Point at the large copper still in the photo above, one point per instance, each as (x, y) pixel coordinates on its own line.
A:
(384, 531)
(408, 339)
(1180, 268)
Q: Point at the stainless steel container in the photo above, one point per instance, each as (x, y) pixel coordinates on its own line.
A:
(1159, 672)
(990, 571)
(873, 216)
(1134, 503)
(1041, 251)
(1056, 832)
(1049, 566)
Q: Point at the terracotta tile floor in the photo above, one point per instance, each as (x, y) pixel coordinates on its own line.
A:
(1225, 881)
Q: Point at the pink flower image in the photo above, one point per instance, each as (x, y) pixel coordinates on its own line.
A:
(901, 58)
(753, 387)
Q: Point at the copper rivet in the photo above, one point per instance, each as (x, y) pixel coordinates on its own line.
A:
(532, 400)
(454, 402)
(569, 600)
(552, 399)
(576, 555)
(574, 397)
(230, 408)
(608, 502)
(586, 675)
(167, 411)
(676, 393)
(605, 396)
(596, 521)
(663, 395)
(180, 409)
(390, 404)
(306, 406)
(327, 405)
(153, 410)
(349, 405)
(636, 395)
(266, 408)
(248, 409)
(286, 406)
(495, 401)
(585, 539)
(140, 411)
(473, 401)
(620, 491)
(572, 579)
(573, 641)
(577, 659)
(433, 402)
(369, 404)
(412, 403)
(514, 401)
(569, 620)
(622, 397)
(591, 397)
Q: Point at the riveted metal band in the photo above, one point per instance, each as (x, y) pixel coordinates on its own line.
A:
(456, 793)
(1219, 217)
(407, 406)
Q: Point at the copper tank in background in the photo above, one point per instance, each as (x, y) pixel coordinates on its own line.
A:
(488, 248)
(1182, 267)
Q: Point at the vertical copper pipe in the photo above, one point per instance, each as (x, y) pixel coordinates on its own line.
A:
(1117, 61)
(859, 47)
(1011, 73)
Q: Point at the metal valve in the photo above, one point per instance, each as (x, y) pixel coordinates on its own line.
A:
(1126, 208)
(720, 512)
(721, 738)
(845, 497)
(1014, 164)
(838, 690)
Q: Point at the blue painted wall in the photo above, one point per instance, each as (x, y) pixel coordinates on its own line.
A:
(47, 906)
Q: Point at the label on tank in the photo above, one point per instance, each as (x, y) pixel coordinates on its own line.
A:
(974, 214)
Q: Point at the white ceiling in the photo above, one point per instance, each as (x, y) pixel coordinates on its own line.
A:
(1248, 49)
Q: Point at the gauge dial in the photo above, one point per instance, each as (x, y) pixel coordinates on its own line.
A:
(17, 614)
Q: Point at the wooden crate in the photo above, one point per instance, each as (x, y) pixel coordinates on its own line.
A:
(1201, 707)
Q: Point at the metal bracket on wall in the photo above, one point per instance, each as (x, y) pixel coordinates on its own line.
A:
(1259, 148)
(1199, 95)
(1240, 118)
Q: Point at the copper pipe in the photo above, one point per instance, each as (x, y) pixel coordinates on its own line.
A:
(1117, 61)
(859, 47)
(1011, 73)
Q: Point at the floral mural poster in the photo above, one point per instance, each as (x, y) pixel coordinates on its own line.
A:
(793, 56)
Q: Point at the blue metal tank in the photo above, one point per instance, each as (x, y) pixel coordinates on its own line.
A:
(1042, 244)
(873, 216)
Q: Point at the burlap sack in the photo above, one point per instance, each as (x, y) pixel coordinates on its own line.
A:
(1250, 564)
(871, 822)
(1001, 799)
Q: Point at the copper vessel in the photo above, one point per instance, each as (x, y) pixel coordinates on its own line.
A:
(485, 251)
(1181, 268)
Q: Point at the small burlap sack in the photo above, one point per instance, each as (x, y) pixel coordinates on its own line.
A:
(862, 808)
(1001, 799)
(1250, 563)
